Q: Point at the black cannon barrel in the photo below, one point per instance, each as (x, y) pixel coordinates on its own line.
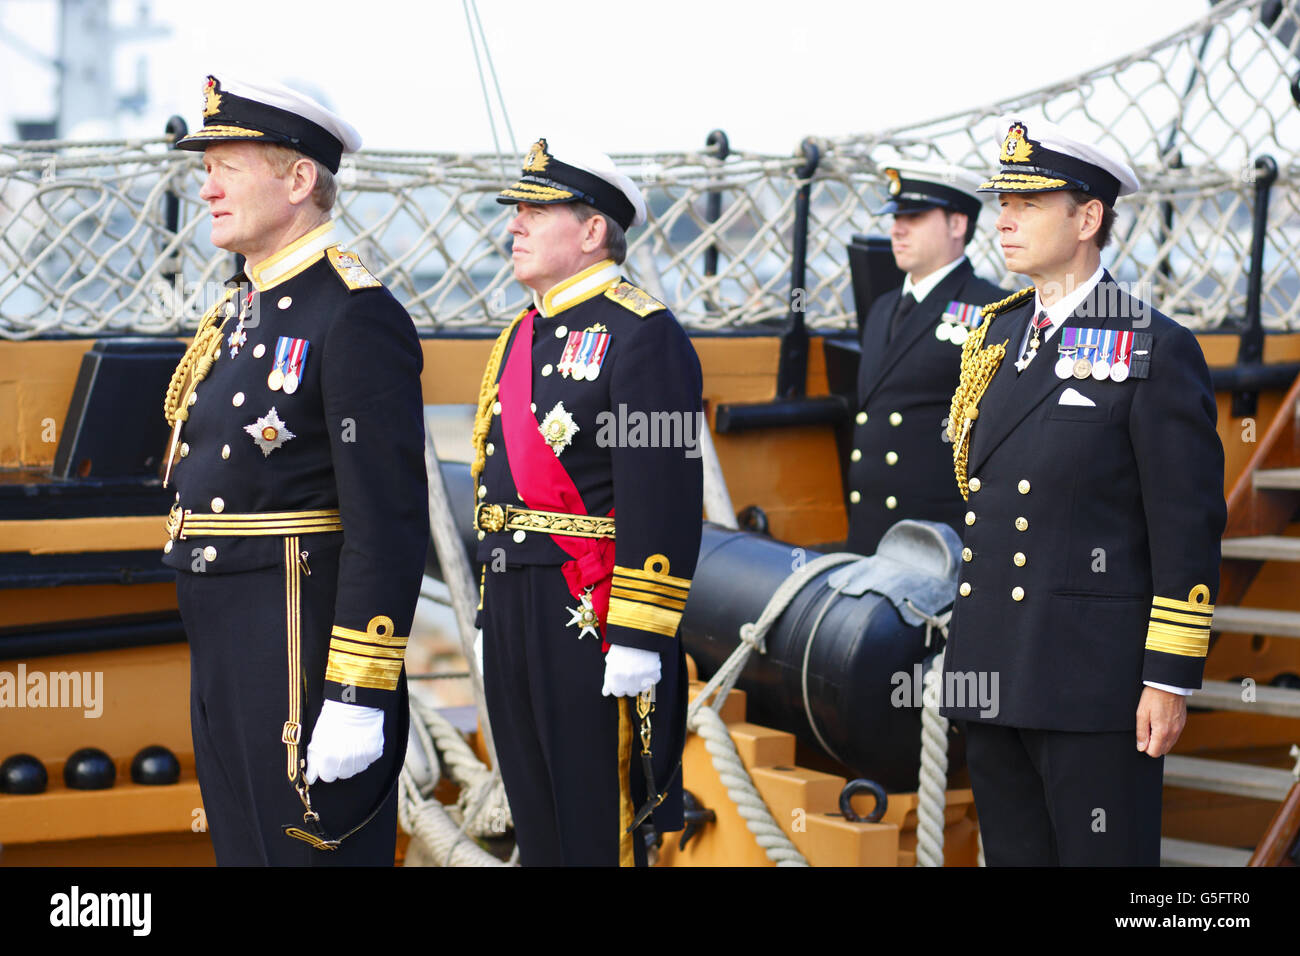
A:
(862, 671)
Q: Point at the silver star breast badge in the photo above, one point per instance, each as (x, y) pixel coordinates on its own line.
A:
(268, 432)
(558, 428)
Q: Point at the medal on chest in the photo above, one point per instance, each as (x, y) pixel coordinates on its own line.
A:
(239, 336)
(959, 320)
(584, 353)
(290, 359)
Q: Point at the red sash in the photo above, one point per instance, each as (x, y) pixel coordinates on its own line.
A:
(542, 481)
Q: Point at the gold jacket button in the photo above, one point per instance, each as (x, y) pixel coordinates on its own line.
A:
(531, 405)
(210, 553)
(237, 399)
(259, 350)
(895, 418)
(185, 449)
(891, 502)
(861, 418)
(855, 497)
(496, 408)
(194, 397)
(225, 451)
(1017, 594)
(974, 484)
(561, 331)
(519, 537)
(482, 491)
(1023, 487)
(547, 369)
(218, 505)
(285, 302)
(1022, 524)
(1018, 559)
(856, 455)
(970, 518)
(967, 554)
(167, 547)
(490, 448)
(964, 590)
(482, 535)
(891, 458)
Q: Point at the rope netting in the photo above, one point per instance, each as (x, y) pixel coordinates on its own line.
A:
(85, 246)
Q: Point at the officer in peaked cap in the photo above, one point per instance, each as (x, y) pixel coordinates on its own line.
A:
(299, 528)
(1084, 441)
(589, 491)
(911, 348)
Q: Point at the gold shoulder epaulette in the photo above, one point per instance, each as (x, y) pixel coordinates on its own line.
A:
(634, 300)
(351, 271)
(1015, 298)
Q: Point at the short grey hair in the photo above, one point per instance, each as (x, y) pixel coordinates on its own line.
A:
(281, 158)
(615, 236)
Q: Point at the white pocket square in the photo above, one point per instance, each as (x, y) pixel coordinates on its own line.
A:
(1071, 397)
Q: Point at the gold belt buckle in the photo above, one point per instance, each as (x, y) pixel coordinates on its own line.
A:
(490, 518)
(176, 522)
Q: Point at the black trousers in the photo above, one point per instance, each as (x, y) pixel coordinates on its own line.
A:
(239, 685)
(1055, 798)
(566, 751)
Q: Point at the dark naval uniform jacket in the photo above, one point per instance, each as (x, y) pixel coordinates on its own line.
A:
(901, 463)
(344, 450)
(628, 438)
(1092, 527)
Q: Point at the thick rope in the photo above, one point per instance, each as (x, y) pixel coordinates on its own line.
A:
(438, 838)
(740, 788)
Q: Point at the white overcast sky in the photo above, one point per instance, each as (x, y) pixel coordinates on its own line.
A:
(652, 76)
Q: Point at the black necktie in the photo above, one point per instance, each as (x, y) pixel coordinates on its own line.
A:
(901, 311)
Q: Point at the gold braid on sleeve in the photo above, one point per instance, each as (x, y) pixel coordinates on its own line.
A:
(487, 395)
(196, 362)
(977, 368)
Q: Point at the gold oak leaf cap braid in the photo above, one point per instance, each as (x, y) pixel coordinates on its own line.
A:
(977, 367)
(196, 362)
(487, 394)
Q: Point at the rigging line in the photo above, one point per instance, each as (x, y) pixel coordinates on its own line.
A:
(487, 100)
(487, 55)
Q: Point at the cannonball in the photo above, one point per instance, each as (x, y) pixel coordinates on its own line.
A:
(23, 773)
(89, 769)
(155, 766)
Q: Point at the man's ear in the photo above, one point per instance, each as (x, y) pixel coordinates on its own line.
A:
(1090, 214)
(957, 224)
(302, 180)
(593, 236)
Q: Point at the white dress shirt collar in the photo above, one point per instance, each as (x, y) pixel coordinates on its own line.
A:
(923, 288)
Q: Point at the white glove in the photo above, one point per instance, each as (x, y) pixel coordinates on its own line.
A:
(346, 740)
(629, 670)
(478, 653)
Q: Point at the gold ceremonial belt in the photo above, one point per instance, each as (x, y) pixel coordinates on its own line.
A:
(183, 524)
(493, 518)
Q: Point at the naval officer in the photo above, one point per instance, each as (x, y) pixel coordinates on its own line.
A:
(1085, 444)
(911, 348)
(298, 531)
(590, 495)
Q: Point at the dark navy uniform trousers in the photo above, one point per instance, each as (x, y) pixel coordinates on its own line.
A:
(561, 744)
(239, 690)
